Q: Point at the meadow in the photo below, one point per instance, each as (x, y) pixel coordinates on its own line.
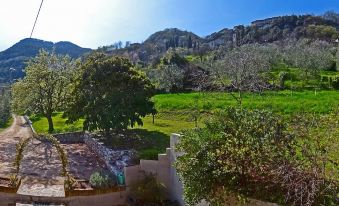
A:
(176, 112)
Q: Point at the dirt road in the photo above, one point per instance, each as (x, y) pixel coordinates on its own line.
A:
(8, 140)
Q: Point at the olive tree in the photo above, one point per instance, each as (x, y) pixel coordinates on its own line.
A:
(45, 87)
(241, 68)
(311, 57)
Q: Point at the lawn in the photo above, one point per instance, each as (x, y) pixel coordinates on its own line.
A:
(9, 123)
(175, 113)
(40, 124)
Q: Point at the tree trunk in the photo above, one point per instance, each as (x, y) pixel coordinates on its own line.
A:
(50, 123)
(240, 98)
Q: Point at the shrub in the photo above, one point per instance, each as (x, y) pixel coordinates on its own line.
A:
(102, 180)
(256, 154)
(149, 191)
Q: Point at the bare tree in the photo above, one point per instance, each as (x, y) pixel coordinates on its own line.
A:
(240, 70)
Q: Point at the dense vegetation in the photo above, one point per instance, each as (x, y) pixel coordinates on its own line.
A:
(5, 108)
(243, 153)
(262, 31)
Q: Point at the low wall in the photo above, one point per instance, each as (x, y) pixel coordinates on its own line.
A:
(70, 138)
(109, 199)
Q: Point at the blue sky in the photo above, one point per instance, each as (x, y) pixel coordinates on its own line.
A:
(93, 23)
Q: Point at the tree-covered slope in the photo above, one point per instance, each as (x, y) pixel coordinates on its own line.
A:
(16, 56)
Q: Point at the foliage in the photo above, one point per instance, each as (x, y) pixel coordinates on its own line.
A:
(102, 180)
(148, 190)
(170, 78)
(311, 57)
(110, 94)
(44, 90)
(242, 153)
(311, 176)
(229, 155)
(5, 108)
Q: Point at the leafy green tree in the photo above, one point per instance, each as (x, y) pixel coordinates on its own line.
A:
(44, 89)
(110, 94)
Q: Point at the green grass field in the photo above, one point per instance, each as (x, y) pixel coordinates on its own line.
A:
(40, 124)
(9, 123)
(283, 102)
(175, 114)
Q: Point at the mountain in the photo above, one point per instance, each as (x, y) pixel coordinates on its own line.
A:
(158, 44)
(278, 29)
(269, 30)
(16, 56)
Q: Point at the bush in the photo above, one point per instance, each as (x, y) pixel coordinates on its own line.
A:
(256, 154)
(149, 191)
(102, 180)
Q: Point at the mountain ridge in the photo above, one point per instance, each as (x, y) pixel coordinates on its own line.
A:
(16, 55)
(280, 28)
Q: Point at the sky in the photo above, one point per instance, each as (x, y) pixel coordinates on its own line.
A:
(94, 23)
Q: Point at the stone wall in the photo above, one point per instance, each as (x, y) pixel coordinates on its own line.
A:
(115, 160)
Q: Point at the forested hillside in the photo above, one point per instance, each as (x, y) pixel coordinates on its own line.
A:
(12, 60)
(275, 29)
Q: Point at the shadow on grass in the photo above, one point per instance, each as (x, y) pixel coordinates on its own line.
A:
(148, 143)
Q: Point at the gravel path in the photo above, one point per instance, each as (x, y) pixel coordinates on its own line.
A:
(8, 140)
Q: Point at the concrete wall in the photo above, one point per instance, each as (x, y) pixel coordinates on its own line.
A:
(163, 170)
